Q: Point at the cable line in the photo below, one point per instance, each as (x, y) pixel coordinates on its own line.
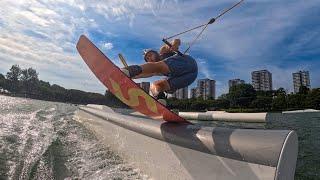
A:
(211, 21)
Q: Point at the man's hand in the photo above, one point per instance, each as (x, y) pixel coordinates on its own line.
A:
(175, 47)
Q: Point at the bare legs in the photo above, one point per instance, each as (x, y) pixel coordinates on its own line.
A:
(152, 69)
(159, 86)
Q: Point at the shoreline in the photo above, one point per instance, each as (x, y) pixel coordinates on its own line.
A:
(231, 110)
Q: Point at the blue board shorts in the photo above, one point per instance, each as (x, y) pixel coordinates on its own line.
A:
(183, 71)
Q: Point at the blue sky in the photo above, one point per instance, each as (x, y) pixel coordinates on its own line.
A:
(281, 36)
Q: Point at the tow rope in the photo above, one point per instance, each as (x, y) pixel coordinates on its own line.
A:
(205, 25)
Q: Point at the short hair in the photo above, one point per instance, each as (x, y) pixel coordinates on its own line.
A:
(146, 51)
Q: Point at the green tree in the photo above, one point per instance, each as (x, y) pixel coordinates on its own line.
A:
(224, 96)
(241, 95)
(2, 81)
(279, 103)
(113, 100)
(265, 93)
(303, 90)
(29, 80)
(19, 81)
(262, 102)
(14, 73)
(13, 77)
(280, 91)
(296, 100)
(45, 91)
(2, 77)
(220, 104)
(59, 93)
(76, 96)
(313, 99)
(198, 105)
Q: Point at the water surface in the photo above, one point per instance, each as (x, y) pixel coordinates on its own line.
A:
(41, 140)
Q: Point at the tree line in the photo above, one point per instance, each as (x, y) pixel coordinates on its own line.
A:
(244, 98)
(241, 98)
(25, 83)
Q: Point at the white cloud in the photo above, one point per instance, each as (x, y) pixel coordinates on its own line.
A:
(43, 34)
(108, 46)
(53, 55)
(204, 68)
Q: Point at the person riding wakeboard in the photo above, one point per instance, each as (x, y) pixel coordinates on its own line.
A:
(181, 70)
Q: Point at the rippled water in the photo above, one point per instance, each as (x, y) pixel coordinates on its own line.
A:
(41, 140)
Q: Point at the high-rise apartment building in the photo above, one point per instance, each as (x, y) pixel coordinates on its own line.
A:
(181, 93)
(193, 93)
(301, 78)
(206, 88)
(234, 82)
(262, 80)
(145, 86)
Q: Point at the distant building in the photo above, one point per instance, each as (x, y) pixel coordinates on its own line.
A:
(301, 78)
(193, 93)
(206, 88)
(262, 80)
(145, 86)
(234, 82)
(181, 93)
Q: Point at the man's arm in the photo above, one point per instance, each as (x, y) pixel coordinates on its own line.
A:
(153, 69)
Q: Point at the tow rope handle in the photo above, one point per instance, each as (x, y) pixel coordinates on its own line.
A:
(165, 40)
(170, 45)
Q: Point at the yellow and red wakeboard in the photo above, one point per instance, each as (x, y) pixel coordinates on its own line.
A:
(120, 85)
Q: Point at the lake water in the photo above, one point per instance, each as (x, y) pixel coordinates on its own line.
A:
(41, 140)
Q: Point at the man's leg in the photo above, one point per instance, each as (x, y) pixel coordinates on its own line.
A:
(155, 67)
(159, 86)
(152, 68)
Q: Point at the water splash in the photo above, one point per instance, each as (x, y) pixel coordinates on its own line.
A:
(41, 140)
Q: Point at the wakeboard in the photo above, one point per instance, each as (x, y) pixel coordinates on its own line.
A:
(125, 89)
